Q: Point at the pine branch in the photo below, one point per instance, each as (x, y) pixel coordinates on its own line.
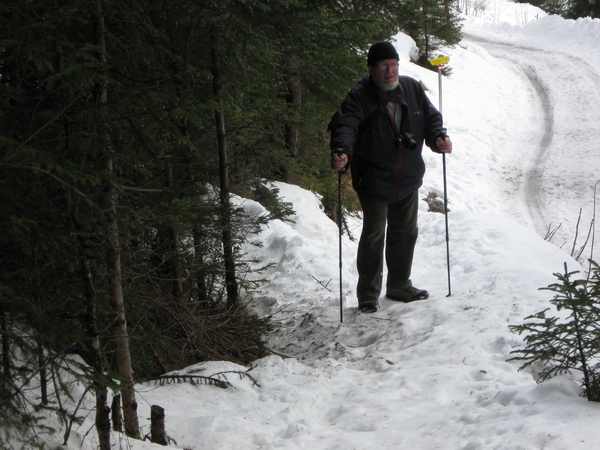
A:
(194, 380)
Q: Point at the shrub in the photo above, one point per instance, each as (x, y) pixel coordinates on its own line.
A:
(561, 345)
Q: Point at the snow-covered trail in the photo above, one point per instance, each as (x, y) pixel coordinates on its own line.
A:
(555, 179)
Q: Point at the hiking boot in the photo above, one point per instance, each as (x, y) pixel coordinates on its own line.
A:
(368, 304)
(410, 294)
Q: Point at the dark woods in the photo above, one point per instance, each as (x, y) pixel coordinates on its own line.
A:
(124, 129)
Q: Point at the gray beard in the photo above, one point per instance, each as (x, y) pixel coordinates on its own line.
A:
(387, 86)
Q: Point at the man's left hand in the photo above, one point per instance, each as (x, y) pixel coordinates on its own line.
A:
(444, 144)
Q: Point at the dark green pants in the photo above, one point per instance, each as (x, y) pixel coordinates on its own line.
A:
(398, 240)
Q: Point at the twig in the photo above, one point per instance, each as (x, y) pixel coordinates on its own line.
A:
(550, 233)
(587, 239)
(280, 354)
(73, 416)
(576, 235)
(321, 283)
(593, 229)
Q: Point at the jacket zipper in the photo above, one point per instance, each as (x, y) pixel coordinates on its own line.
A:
(397, 174)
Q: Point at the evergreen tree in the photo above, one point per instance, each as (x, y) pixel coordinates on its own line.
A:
(570, 9)
(583, 8)
(561, 345)
(432, 24)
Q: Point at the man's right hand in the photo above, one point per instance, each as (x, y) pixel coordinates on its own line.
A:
(338, 161)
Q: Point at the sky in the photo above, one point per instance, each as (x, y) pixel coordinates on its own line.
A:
(521, 108)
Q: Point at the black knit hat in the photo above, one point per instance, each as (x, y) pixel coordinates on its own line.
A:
(380, 51)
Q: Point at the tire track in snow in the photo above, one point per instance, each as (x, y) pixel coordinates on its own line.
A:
(536, 159)
(567, 88)
(530, 190)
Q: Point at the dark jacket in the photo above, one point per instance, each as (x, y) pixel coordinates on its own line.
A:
(380, 159)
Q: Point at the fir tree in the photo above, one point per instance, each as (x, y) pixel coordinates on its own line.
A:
(569, 9)
(563, 344)
(432, 24)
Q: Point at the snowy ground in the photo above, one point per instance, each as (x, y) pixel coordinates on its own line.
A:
(553, 144)
(521, 107)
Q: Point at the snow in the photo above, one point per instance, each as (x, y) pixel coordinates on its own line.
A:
(521, 108)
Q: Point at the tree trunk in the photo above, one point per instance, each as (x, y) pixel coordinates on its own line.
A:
(119, 324)
(5, 341)
(175, 257)
(228, 254)
(102, 420)
(294, 99)
(447, 6)
(177, 264)
(40, 339)
(426, 31)
(43, 372)
(157, 425)
(115, 413)
(199, 253)
(94, 351)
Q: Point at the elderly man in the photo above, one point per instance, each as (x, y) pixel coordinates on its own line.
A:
(379, 130)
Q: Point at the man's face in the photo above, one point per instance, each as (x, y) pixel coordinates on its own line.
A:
(385, 74)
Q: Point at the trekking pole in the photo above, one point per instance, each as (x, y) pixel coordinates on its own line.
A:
(340, 222)
(446, 217)
(439, 62)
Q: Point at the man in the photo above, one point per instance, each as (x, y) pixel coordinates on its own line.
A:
(380, 129)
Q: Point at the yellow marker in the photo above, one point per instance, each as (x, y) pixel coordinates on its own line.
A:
(439, 61)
